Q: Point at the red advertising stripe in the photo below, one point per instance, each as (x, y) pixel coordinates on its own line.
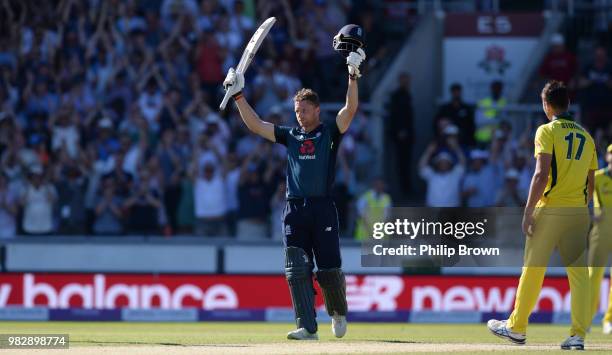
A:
(494, 25)
(210, 292)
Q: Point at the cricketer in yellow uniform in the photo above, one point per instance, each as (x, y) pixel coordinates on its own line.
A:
(600, 239)
(556, 216)
(561, 220)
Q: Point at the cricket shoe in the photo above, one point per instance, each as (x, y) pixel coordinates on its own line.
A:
(499, 328)
(338, 325)
(302, 334)
(573, 342)
(607, 328)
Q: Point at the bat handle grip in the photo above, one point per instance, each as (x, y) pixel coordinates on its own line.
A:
(224, 102)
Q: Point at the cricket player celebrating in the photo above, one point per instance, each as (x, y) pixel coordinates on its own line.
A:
(556, 216)
(310, 219)
(600, 239)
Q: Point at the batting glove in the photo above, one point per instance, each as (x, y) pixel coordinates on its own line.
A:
(353, 61)
(233, 83)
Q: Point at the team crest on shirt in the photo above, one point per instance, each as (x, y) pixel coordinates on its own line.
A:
(307, 150)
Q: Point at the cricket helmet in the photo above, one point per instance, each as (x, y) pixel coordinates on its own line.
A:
(349, 39)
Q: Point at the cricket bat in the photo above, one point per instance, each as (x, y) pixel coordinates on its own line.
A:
(249, 51)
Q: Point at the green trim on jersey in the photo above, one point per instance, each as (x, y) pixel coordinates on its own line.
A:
(553, 172)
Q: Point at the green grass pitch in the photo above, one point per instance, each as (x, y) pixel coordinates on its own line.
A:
(256, 338)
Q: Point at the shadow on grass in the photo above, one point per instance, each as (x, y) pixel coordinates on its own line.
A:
(96, 342)
(395, 341)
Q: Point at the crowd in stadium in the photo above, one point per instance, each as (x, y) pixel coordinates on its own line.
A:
(109, 126)
(109, 121)
(478, 160)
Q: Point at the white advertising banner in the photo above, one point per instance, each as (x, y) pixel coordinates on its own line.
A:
(479, 49)
(476, 62)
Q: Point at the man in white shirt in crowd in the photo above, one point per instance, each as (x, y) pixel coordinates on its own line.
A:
(38, 200)
(444, 178)
(209, 196)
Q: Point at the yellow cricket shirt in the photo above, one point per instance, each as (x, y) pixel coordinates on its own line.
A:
(573, 155)
(603, 188)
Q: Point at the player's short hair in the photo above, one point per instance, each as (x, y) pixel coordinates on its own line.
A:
(308, 95)
(556, 95)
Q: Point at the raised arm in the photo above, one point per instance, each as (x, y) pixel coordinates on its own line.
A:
(426, 156)
(234, 83)
(252, 120)
(346, 114)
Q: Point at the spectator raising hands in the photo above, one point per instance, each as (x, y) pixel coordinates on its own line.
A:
(442, 174)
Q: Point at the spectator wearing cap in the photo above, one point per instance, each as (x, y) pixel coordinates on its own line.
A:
(449, 138)
(450, 132)
(38, 201)
(489, 113)
(479, 187)
(8, 208)
(444, 178)
(461, 115)
(509, 195)
(559, 64)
